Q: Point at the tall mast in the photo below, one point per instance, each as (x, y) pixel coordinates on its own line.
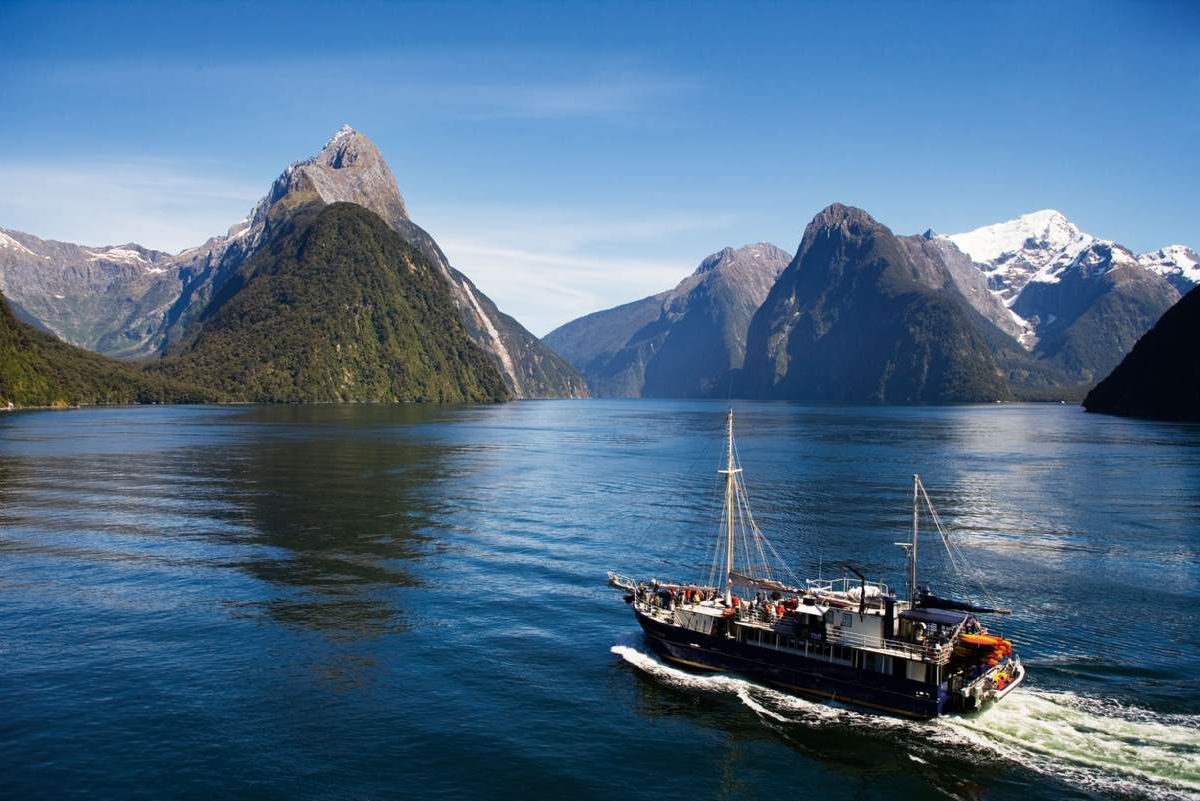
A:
(730, 497)
(912, 553)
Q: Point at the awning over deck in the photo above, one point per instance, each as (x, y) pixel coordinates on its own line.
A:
(939, 617)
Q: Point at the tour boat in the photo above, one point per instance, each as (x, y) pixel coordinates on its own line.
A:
(846, 639)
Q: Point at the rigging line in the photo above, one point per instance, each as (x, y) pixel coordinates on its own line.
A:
(755, 530)
(758, 540)
(744, 519)
(739, 501)
(785, 569)
(717, 540)
(745, 546)
(718, 548)
(958, 559)
(782, 563)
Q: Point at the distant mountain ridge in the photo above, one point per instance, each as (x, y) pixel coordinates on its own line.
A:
(864, 315)
(110, 299)
(678, 343)
(144, 304)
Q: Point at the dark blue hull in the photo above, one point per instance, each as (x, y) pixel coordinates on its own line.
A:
(798, 673)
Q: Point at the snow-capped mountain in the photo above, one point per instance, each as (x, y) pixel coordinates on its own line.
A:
(1178, 264)
(1083, 300)
(1043, 245)
(1011, 253)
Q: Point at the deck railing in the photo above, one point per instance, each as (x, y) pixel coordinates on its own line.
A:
(938, 654)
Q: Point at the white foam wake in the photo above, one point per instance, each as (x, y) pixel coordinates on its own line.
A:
(1097, 745)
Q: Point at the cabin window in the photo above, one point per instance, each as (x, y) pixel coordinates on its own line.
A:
(847, 621)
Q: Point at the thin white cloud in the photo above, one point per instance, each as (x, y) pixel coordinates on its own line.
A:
(596, 96)
(153, 203)
(467, 87)
(544, 289)
(548, 267)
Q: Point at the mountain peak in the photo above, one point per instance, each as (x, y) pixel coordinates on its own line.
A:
(346, 148)
(836, 215)
(1045, 230)
(759, 254)
(340, 133)
(349, 169)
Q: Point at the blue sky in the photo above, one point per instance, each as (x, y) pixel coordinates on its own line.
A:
(571, 156)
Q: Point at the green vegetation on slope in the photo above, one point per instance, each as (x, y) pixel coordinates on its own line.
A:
(337, 308)
(38, 369)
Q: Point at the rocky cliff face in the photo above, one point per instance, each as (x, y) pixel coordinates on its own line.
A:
(1160, 378)
(680, 343)
(973, 284)
(861, 315)
(146, 309)
(111, 299)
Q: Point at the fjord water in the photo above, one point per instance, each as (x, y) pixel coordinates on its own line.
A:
(386, 602)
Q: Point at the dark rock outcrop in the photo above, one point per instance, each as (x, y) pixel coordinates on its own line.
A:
(1160, 378)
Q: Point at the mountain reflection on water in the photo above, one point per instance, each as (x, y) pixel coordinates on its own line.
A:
(373, 601)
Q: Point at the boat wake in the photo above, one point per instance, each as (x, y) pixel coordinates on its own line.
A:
(1096, 745)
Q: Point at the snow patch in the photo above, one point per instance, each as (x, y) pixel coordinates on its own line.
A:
(120, 255)
(1028, 337)
(7, 241)
(342, 133)
(1045, 230)
(1100, 257)
(1173, 260)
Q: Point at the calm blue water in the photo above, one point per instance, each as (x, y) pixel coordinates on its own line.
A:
(371, 603)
